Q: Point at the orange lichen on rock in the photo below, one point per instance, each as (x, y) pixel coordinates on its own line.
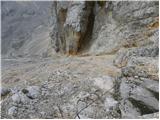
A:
(154, 24)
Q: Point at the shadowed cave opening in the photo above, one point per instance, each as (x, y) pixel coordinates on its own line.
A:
(85, 41)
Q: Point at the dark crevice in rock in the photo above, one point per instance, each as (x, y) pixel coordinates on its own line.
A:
(85, 41)
(116, 94)
(143, 107)
(155, 94)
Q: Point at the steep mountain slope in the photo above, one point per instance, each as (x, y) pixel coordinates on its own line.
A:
(104, 27)
(25, 28)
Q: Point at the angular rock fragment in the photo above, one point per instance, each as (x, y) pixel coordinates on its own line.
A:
(33, 92)
(12, 111)
(4, 91)
(128, 110)
(20, 98)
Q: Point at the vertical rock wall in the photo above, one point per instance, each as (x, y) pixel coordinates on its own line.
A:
(113, 25)
(73, 19)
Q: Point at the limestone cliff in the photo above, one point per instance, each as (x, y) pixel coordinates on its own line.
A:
(105, 27)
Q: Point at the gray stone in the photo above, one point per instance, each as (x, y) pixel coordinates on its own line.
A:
(4, 91)
(150, 116)
(33, 92)
(20, 98)
(140, 94)
(105, 83)
(110, 103)
(124, 89)
(146, 97)
(122, 58)
(16, 98)
(150, 84)
(146, 67)
(12, 111)
(128, 110)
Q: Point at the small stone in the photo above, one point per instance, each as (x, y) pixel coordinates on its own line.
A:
(16, 98)
(14, 90)
(33, 92)
(20, 98)
(43, 113)
(110, 103)
(135, 76)
(4, 91)
(105, 83)
(12, 111)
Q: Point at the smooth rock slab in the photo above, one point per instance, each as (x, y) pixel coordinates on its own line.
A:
(146, 97)
(150, 84)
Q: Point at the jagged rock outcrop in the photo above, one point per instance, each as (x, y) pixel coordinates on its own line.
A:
(113, 25)
(73, 19)
(137, 96)
(124, 24)
(93, 27)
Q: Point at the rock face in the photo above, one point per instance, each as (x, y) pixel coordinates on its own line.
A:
(73, 19)
(109, 31)
(95, 27)
(125, 24)
(114, 72)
